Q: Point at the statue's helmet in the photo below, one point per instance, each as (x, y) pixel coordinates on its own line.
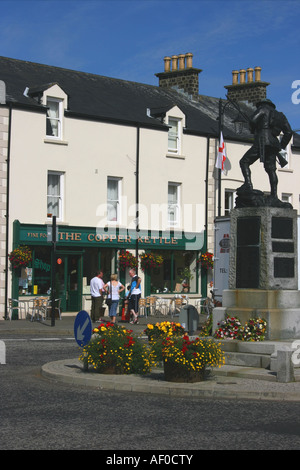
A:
(265, 101)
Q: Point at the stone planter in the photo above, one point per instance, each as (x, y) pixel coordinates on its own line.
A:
(177, 373)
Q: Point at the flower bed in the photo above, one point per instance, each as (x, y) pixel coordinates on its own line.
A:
(116, 350)
(159, 332)
(231, 328)
(185, 360)
(255, 329)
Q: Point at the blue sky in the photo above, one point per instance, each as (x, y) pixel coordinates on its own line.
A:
(128, 39)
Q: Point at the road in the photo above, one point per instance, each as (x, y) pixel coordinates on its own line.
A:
(38, 414)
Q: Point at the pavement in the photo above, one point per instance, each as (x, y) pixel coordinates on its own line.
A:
(227, 382)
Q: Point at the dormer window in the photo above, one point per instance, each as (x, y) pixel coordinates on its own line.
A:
(174, 135)
(175, 120)
(54, 118)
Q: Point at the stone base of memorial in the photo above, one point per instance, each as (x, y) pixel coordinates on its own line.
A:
(263, 271)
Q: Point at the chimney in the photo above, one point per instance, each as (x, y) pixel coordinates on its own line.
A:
(182, 75)
(247, 90)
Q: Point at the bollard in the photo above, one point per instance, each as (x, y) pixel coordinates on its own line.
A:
(2, 353)
(285, 368)
(188, 318)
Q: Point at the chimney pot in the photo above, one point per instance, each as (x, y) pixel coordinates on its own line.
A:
(189, 60)
(242, 76)
(167, 64)
(235, 77)
(250, 75)
(174, 62)
(181, 58)
(257, 73)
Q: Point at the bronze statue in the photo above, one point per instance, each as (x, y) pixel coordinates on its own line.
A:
(266, 124)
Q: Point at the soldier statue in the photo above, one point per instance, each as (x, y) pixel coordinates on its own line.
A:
(266, 124)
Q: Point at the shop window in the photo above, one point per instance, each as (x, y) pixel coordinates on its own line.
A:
(55, 194)
(176, 275)
(36, 280)
(42, 270)
(113, 199)
(173, 204)
(54, 118)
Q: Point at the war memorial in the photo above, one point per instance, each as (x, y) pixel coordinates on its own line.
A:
(263, 270)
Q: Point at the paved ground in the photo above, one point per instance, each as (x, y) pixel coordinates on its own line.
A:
(226, 382)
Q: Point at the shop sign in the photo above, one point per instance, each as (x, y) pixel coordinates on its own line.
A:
(39, 264)
(121, 238)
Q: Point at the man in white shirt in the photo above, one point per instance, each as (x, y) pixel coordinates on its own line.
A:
(96, 286)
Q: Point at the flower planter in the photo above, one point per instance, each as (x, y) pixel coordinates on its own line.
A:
(110, 370)
(178, 373)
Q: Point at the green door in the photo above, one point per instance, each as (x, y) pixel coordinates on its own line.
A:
(69, 281)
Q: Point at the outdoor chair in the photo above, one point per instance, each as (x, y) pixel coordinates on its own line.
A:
(14, 304)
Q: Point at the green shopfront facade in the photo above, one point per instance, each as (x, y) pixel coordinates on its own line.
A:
(80, 251)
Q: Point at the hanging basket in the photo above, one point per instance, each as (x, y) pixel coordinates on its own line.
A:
(150, 260)
(127, 260)
(20, 257)
(206, 260)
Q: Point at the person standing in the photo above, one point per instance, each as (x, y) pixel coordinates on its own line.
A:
(114, 288)
(134, 295)
(96, 286)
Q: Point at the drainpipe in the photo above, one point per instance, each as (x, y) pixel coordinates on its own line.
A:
(204, 278)
(137, 182)
(7, 209)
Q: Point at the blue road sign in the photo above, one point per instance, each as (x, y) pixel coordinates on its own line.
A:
(82, 328)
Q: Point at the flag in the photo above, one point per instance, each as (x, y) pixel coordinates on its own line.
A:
(221, 154)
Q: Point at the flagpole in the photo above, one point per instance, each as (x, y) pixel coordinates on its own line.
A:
(219, 169)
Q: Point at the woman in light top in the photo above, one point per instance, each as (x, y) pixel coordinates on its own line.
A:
(113, 288)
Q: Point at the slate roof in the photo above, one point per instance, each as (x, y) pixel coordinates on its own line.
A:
(109, 99)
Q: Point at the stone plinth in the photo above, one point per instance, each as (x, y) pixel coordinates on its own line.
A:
(263, 248)
(263, 271)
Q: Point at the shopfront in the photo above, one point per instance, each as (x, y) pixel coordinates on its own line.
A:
(80, 251)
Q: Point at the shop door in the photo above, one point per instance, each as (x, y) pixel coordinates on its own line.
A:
(68, 275)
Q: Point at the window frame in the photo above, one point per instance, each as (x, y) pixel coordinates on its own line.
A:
(59, 102)
(229, 195)
(174, 136)
(116, 201)
(60, 196)
(176, 205)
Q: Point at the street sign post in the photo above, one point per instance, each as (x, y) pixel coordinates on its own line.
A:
(82, 328)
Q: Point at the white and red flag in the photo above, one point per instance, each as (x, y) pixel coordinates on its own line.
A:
(221, 154)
